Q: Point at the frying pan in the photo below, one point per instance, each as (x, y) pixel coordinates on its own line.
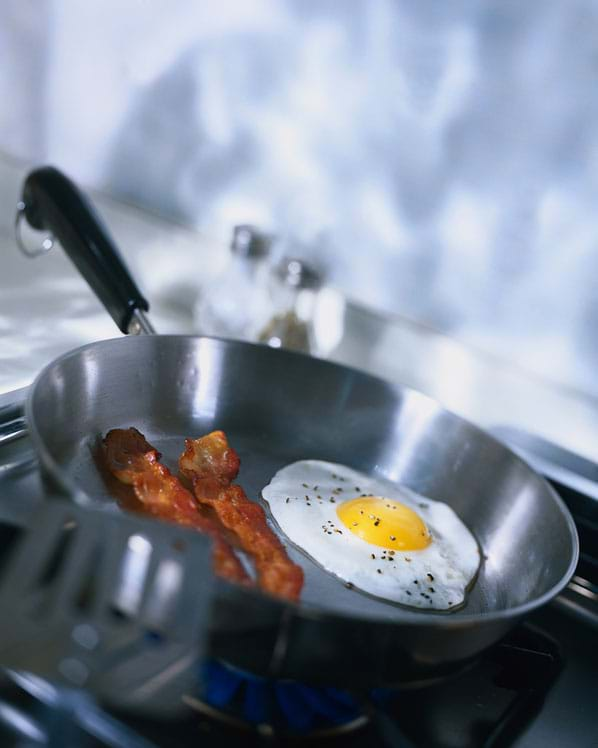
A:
(277, 407)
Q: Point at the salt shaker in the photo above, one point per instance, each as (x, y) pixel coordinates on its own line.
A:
(237, 303)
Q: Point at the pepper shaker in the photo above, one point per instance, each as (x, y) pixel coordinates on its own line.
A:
(293, 289)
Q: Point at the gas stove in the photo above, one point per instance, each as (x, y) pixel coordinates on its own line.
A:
(536, 687)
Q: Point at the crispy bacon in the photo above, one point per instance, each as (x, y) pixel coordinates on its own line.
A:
(211, 465)
(212, 457)
(134, 461)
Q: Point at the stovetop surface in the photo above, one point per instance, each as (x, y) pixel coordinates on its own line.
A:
(489, 705)
(533, 690)
(540, 692)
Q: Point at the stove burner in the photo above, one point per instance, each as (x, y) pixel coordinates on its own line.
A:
(489, 701)
(273, 707)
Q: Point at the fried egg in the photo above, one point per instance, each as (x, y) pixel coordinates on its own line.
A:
(377, 536)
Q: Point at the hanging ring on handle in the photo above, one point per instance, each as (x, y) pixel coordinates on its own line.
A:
(47, 243)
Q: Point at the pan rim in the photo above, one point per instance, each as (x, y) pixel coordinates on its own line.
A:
(406, 618)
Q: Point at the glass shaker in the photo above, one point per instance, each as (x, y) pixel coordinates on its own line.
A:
(237, 303)
(294, 285)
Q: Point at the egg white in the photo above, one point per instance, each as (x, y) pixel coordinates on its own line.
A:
(303, 498)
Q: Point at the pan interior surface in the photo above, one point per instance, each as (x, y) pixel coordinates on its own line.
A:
(278, 407)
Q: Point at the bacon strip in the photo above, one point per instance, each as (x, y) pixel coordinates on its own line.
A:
(211, 465)
(134, 461)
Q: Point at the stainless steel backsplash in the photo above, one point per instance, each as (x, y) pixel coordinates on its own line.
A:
(440, 158)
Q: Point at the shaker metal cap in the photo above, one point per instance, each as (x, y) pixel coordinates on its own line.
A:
(249, 241)
(298, 273)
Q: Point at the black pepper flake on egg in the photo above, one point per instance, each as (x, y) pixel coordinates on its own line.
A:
(287, 501)
(407, 559)
(305, 485)
(415, 581)
(349, 585)
(392, 537)
(376, 523)
(357, 489)
(329, 532)
(431, 589)
(423, 506)
(334, 476)
(379, 571)
(409, 593)
(430, 577)
(373, 555)
(332, 501)
(308, 504)
(449, 602)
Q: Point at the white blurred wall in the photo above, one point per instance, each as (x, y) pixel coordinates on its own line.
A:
(441, 157)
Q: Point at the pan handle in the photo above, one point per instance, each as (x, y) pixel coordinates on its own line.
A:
(51, 202)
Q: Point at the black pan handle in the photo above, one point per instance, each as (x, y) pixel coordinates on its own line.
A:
(53, 203)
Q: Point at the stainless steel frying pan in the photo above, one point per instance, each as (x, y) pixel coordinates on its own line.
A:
(278, 407)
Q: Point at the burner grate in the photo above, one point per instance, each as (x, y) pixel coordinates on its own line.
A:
(489, 704)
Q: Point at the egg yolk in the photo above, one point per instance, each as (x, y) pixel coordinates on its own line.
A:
(385, 523)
